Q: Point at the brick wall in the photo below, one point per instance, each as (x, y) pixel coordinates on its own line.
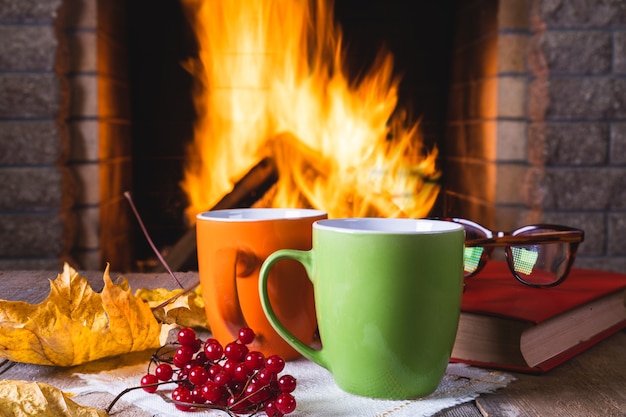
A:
(36, 186)
(64, 134)
(116, 222)
(577, 115)
(537, 120)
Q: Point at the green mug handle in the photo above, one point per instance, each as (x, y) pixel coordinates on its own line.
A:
(306, 259)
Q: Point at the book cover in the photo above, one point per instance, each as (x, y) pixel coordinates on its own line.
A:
(507, 325)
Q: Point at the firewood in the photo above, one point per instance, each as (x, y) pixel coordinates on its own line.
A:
(245, 193)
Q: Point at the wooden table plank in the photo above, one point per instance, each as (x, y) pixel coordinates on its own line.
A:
(34, 286)
(463, 410)
(591, 384)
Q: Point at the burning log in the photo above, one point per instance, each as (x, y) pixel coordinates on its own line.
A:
(245, 193)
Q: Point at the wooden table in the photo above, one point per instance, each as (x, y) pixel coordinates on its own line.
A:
(592, 384)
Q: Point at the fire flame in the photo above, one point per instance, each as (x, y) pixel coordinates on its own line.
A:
(270, 81)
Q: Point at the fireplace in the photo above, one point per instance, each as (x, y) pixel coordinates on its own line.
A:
(523, 99)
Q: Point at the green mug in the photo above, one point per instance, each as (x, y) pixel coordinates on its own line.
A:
(388, 299)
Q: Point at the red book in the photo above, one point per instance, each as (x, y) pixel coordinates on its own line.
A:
(507, 325)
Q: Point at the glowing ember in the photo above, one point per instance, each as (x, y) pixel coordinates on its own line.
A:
(271, 81)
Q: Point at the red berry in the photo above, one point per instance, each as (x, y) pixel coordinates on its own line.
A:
(164, 372)
(196, 395)
(181, 375)
(181, 394)
(180, 390)
(187, 336)
(271, 410)
(213, 350)
(241, 373)
(222, 379)
(213, 340)
(183, 356)
(211, 391)
(235, 351)
(285, 403)
(257, 393)
(191, 364)
(182, 407)
(201, 360)
(149, 379)
(287, 383)
(265, 376)
(230, 365)
(214, 370)
(236, 387)
(254, 360)
(196, 345)
(246, 335)
(275, 363)
(198, 375)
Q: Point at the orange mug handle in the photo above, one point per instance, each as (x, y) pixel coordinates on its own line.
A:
(234, 263)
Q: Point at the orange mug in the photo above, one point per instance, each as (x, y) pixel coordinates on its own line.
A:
(232, 245)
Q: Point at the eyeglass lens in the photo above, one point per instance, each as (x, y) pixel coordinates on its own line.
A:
(541, 264)
(471, 259)
(524, 259)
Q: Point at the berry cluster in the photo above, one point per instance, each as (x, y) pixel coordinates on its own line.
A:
(231, 378)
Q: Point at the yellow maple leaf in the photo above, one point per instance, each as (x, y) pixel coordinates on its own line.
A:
(75, 324)
(37, 399)
(186, 310)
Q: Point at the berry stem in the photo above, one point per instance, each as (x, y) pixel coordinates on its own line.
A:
(127, 390)
(241, 399)
(180, 294)
(147, 235)
(205, 406)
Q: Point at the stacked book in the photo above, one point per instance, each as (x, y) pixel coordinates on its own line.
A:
(507, 325)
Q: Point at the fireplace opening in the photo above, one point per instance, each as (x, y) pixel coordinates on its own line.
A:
(163, 112)
(163, 115)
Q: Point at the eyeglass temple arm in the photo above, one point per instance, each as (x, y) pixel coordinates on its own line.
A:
(566, 236)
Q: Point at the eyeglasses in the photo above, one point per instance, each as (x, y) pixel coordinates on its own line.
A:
(538, 255)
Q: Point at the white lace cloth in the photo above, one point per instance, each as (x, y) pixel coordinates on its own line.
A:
(316, 393)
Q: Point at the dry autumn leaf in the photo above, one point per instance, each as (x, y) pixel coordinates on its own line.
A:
(75, 324)
(186, 310)
(36, 399)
